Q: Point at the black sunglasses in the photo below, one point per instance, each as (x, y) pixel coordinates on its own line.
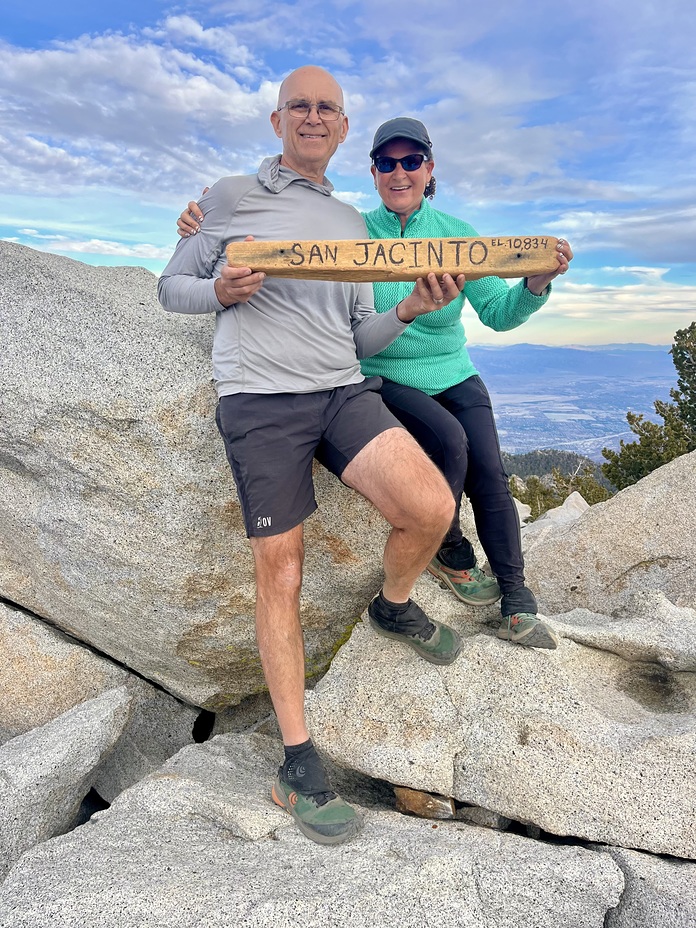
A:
(386, 165)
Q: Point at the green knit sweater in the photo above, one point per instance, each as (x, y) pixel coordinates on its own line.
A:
(431, 353)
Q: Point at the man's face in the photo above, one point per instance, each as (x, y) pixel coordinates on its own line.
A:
(309, 143)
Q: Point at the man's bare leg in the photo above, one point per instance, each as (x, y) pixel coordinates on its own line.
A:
(301, 787)
(396, 475)
(278, 560)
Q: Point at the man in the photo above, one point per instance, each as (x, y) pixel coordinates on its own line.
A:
(285, 360)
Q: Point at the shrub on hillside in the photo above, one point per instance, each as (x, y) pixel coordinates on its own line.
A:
(658, 444)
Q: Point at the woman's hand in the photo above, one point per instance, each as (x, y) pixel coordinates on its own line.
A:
(429, 295)
(190, 220)
(540, 282)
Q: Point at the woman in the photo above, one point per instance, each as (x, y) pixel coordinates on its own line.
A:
(432, 387)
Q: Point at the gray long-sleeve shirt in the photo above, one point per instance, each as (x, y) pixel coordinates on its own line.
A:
(293, 336)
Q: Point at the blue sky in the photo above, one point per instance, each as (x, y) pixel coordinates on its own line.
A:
(573, 120)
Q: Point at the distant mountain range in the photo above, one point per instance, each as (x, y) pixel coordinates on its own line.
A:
(573, 398)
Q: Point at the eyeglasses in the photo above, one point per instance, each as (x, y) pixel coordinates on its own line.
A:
(300, 109)
(386, 165)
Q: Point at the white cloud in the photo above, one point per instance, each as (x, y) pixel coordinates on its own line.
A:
(114, 111)
(596, 314)
(659, 232)
(335, 57)
(629, 300)
(62, 244)
(355, 197)
(648, 275)
(58, 244)
(219, 39)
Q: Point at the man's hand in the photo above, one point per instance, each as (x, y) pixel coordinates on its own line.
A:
(190, 220)
(430, 294)
(237, 284)
(540, 282)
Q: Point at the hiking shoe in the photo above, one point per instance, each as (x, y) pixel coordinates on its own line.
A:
(526, 629)
(433, 641)
(472, 586)
(322, 817)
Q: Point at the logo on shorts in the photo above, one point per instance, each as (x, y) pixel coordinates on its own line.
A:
(263, 522)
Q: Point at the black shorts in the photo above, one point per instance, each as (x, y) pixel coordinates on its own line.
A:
(271, 440)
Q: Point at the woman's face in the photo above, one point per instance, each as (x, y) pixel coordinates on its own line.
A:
(402, 191)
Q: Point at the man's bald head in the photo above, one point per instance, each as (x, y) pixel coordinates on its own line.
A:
(309, 81)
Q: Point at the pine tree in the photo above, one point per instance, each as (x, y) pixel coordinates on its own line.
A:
(684, 356)
(659, 444)
(582, 480)
(539, 497)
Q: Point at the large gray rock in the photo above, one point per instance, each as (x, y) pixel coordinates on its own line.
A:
(118, 517)
(45, 774)
(43, 673)
(200, 843)
(577, 741)
(523, 511)
(660, 892)
(645, 627)
(570, 509)
(642, 539)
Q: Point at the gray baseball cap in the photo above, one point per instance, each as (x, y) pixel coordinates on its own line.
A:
(403, 127)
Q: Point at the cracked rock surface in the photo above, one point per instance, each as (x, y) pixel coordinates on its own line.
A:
(579, 741)
(201, 843)
(640, 540)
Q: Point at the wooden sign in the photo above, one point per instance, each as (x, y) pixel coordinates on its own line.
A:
(399, 258)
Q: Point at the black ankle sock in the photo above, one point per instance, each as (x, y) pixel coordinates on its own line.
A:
(390, 607)
(304, 771)
(457, 557)
(292, 750)
(403, 618)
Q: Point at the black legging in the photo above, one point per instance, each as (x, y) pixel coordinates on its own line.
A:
(457, 430)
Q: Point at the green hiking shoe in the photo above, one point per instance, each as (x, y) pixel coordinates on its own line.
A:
(321, 817)
(472, 586)
(433, 641)
(526, 629)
